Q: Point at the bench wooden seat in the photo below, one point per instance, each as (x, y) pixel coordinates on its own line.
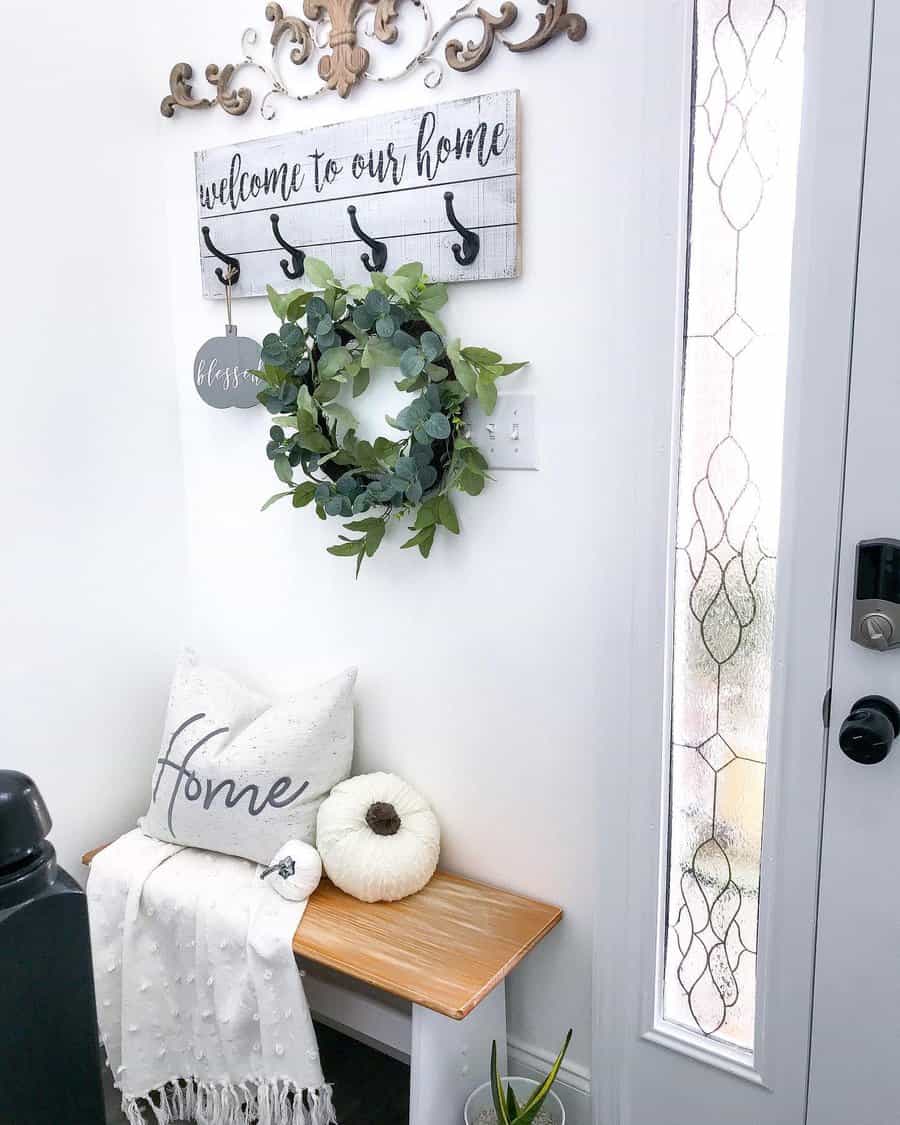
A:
(448, 950)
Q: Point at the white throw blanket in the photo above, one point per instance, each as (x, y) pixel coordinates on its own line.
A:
(201, 1007)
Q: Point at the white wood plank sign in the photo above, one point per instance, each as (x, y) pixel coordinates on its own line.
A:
(437, 185)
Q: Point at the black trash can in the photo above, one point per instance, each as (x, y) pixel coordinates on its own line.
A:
(49, 1051)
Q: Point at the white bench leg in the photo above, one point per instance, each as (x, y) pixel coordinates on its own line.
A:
(449, 1058)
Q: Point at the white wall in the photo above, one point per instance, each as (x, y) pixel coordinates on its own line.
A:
(478, 667)
(92, 562)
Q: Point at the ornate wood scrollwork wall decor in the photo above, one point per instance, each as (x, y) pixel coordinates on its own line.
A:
(331, 29)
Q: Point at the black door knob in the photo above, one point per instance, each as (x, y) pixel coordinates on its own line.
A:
(869, 730)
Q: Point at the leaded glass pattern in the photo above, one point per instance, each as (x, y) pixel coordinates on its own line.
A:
(746, 122)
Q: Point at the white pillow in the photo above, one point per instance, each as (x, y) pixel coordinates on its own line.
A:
(239, 774)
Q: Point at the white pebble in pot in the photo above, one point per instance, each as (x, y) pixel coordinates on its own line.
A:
(378, 838)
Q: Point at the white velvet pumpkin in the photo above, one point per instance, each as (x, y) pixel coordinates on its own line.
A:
(307, 873)
(378, 838)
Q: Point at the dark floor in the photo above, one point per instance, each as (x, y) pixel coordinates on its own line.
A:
(369, 1087)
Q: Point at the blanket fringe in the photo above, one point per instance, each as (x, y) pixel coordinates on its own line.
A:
(248, 1103)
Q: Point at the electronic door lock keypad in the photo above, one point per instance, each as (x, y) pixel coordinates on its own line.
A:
(876, 606)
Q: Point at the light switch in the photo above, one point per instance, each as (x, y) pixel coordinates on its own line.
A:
(508, 438)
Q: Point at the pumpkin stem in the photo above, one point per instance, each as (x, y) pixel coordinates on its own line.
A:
(382, 818)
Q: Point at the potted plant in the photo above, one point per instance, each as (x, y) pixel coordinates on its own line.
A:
(521, 1101)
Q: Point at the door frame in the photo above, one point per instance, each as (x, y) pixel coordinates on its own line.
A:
(649, 56)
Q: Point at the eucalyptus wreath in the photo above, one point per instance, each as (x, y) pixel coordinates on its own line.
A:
(331, 343)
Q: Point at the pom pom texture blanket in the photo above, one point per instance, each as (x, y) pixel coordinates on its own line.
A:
(201, 1007)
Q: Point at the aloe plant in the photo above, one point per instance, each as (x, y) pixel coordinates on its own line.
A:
(506, 1104)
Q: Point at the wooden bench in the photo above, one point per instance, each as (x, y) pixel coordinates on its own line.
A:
(448, 950)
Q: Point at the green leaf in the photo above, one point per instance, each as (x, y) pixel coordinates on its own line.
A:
(365, 525)
(407, 385)
(374, 538)
(363, 318)
(377, 303)
(480, 356)
(360, 381)
(273, 499)
(471, 482)
(511, 368)
(327, 390)
(333, 361)
(433, 297)
(378, 353)
(271, 374)
(432, 346)
(385, 327)
(291, 336)
(412, 270)
(318, 272)
(412, 363)
(278, 301)
(512, 1103)
(358, 292)
(500, 1105)
(447, 515)
(304, 493)
(533, 1106)
(314, 441)
(386, 451)
(296, 305)
(402, 286)
(349, 549)
(436, 373)
(306, 408)
(438, 427)
(462, 369)
(426, 516)
(487, 394)
(423, 540)
(341, 415)
(283, 468)
(426, 542)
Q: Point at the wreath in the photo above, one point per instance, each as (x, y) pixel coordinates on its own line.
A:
(331, 342)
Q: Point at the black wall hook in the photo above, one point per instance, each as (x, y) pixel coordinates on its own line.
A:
(298, 256)
(379, 250)
(471, 243)
(234, 266)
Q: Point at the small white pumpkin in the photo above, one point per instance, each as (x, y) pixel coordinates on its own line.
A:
(306, 875)
(378, 838)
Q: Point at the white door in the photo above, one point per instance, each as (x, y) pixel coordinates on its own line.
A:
(738, 143)
(855, 1058)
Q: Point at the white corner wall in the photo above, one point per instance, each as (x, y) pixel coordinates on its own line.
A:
(92, 565)
(478, 668)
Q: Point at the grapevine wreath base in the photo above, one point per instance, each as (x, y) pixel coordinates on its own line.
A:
(330, 343)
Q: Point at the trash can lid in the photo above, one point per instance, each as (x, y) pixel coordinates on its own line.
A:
(24, 820)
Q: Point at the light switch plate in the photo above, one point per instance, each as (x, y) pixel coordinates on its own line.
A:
(508, 438)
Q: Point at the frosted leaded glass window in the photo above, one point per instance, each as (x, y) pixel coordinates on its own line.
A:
(746, 121)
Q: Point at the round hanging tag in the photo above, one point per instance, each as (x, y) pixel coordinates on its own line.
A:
(223, 371)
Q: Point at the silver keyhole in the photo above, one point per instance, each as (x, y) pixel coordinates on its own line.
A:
(877, 631)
